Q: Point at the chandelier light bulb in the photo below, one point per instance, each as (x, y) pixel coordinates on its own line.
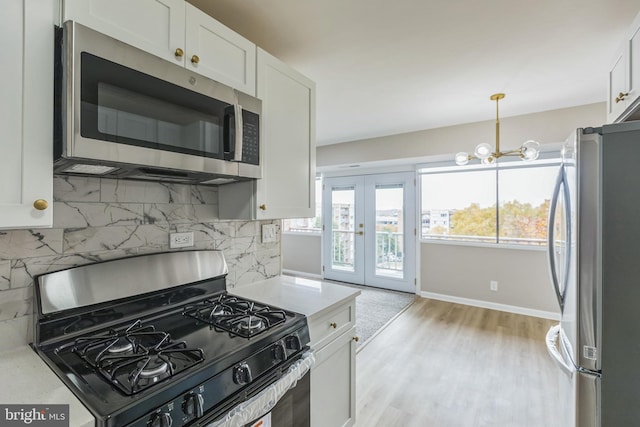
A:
(488, 160)
(530, 150)
(462, 158)
(483, 150)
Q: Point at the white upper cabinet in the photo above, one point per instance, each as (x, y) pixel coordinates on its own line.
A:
(173, 30)
(617, 92)
(26, 114)
(287, 187)
(155, 26)
(623, 88)
(217, 52)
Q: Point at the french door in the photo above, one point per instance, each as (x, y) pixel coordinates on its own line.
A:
(369, 230)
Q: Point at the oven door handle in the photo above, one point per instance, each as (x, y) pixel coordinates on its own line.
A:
(267, 399)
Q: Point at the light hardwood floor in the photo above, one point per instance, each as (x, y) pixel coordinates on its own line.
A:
(448, 365)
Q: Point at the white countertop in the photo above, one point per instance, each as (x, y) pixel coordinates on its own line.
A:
(306, 296)
(26, 379)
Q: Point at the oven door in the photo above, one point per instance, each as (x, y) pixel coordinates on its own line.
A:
(281, 400)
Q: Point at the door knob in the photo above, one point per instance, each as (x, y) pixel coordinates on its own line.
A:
(195, 59)
(40, 204)
(179, 53)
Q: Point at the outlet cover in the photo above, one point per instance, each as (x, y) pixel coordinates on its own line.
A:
(268, 233)
(493, 285)
(181, 240)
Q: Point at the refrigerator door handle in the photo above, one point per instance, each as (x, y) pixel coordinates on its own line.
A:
(553, 335)
(551, 237)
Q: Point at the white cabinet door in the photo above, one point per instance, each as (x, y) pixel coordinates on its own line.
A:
(287, 187)
(333, 383)
(217, 52)
(155, 26)
(617, 85)
(288, 152)
(26, 113)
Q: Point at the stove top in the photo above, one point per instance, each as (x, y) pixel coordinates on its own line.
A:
(132, 358)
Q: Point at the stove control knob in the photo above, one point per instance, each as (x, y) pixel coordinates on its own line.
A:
(193, 405)
(242, 374)
(279, 352)
(293, 343)
(161, 419)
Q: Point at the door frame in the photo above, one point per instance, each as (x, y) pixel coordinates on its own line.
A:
(364, 261)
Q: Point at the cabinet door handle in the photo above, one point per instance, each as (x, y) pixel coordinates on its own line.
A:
(356, 338)
(195, 59)
(179, 53)
(621, 96)
(263, 207)
(333, 325)
(40, 204)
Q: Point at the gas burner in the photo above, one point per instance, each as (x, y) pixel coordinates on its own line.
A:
(250, 323)
(121, 346)
(137, 357)
(152, 369)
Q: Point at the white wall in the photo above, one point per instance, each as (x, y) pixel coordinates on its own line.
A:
(456, 272)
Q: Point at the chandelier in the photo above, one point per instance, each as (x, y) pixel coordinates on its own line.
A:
(487, 155)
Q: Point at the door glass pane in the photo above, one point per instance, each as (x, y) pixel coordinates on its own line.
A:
(343, 228)
(390, 230)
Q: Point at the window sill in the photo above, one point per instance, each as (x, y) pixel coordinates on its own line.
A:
(484, 245)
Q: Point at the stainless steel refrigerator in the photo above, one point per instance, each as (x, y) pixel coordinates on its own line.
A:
(594, 260)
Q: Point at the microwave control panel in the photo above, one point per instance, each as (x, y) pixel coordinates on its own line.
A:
(250, 138)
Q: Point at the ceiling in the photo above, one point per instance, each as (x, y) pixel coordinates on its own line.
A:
(384, 67)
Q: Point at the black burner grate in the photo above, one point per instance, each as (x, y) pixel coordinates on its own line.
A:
(136, 358)
(235, 315)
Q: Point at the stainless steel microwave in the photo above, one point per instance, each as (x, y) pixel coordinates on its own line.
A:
(124, 113)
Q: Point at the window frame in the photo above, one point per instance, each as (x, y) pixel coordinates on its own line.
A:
(550, 159)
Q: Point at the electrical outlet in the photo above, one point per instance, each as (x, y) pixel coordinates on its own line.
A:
(493, 285)
(181, 240)
(268, 233)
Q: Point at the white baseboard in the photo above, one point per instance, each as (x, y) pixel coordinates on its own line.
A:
(301, 274)
(492, 305)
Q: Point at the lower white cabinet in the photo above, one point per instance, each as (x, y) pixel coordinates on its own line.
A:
(26, 114)
(333, 381)
(333, 377)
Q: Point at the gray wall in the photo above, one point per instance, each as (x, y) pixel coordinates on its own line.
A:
(454, 271)
(546, 127)
(464, 272)
(302, 253)
(99, 219)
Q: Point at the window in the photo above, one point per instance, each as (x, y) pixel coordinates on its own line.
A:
(306, 225)
(505, 204)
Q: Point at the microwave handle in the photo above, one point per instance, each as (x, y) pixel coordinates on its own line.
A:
(237, 157)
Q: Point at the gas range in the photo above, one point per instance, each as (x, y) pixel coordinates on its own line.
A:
(156, 340)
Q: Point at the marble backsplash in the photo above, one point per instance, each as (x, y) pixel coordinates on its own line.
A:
(100, 219)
